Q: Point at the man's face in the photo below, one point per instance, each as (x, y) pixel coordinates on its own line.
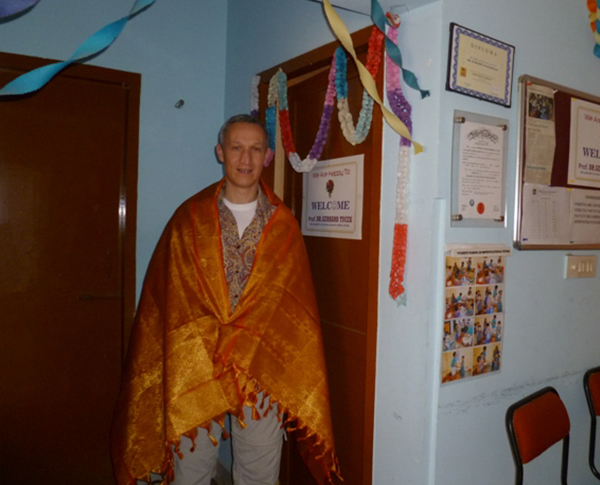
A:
(244, 153)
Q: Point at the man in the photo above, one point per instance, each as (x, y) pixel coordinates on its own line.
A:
(227, 324)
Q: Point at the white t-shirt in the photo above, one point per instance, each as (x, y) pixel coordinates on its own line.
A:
(243, 214)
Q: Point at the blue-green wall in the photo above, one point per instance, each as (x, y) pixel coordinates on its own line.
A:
(179, 48)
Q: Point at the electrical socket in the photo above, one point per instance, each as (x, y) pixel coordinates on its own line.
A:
(580, 266)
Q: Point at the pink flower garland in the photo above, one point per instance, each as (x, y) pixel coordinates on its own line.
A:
(402, 110)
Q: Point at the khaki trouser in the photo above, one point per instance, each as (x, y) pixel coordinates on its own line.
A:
(256, 452)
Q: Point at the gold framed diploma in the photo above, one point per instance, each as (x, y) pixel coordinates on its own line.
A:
(480, 66)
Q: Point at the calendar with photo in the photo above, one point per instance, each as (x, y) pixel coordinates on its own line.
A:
(473, 315)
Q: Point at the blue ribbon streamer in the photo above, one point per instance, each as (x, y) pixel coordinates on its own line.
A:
(392, 49)
(13, 7)
(94, 45)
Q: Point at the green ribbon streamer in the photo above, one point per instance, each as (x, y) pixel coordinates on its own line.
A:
(392, 49)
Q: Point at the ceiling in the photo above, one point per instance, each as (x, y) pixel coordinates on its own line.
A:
(364, 6)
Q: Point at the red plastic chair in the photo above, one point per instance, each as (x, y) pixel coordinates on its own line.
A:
(534, 424)
(591, 384)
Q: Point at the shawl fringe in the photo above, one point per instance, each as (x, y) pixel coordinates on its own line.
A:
(323, 455)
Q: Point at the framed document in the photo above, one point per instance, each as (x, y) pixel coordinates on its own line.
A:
(479, 155)
(480, 66)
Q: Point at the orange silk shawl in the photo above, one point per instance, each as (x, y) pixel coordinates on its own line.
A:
(191, 360)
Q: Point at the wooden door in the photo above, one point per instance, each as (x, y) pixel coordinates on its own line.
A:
(68, 175)
(345, 272)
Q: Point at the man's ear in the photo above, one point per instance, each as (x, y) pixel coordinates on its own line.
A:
(220, 154)
(268, 157)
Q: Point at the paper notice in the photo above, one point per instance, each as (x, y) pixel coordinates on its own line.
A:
(545, 215)
(540, 135)
(585, 216)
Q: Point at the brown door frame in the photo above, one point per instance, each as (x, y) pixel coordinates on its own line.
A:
(295, 68)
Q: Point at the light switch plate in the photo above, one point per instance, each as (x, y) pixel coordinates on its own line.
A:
(580, 266)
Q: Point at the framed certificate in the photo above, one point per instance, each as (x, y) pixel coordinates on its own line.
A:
(479, 160)
(480, 66)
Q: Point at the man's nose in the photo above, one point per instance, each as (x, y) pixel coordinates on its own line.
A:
(246, 156)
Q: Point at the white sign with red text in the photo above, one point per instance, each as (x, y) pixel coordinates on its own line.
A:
(333, 198)
(584, 147)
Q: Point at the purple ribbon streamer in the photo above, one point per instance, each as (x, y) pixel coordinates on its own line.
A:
(13, 7)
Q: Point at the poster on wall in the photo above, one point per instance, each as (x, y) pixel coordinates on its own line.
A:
(332, 201)
(473, 323)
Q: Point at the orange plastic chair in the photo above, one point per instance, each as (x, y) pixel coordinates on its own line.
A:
(591, 384)
(533, 425)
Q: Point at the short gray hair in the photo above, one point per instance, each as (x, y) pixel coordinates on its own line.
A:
(241, 118)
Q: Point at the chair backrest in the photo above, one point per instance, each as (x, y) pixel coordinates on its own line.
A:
(534, 424)
(591, 385)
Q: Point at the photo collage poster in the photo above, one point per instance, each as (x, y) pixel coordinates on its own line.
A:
(473, 316)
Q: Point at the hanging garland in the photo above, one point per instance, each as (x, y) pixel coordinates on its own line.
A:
(394, 54)
(254, 97)
(337, 87)
(341, 32)
(254, 111)
(402, 109)
(355, 136)
(592, 6)
(278, 93)
(337, 84)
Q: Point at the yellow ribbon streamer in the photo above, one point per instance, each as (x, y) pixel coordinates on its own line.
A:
(341, 32)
